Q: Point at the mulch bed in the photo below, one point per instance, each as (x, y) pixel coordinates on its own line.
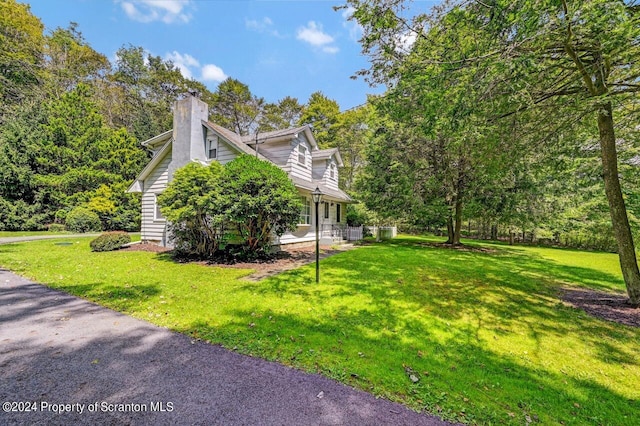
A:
(282, 261)
(154, 248)
(607, 306)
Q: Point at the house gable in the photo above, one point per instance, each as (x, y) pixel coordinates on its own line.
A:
(154, 228)
(193, 138)
(326, 163)
(139, 185)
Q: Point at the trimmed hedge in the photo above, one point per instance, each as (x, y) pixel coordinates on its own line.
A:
(110, 241)
(82, 220)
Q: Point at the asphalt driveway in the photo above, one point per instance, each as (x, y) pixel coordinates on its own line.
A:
(64, 360)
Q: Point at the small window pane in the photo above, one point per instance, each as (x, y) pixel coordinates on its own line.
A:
(326, 210)
(212, 148)
(302, 154)
(158, 213)
(305, 212)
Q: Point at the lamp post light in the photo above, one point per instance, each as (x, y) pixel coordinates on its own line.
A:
(317, 198)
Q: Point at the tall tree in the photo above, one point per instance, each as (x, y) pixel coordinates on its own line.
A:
(235, 107)
(21, 52)
(70, 60)
(322, 113)
(578, 56)
(281, 115)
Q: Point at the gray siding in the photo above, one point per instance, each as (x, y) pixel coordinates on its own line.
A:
(225, 152)
(301, 171)
(277, 152)
(322, 171)
(155, 183)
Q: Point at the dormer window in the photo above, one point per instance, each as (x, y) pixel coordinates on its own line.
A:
(302, 155)
(332, 171)
(212, 148)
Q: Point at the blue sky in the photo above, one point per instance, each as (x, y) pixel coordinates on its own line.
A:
(278, 48)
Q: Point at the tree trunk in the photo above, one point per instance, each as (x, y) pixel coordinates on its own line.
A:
(449, 230)
(494, 232)
(511, 236)
(617, 209)
(458, 222)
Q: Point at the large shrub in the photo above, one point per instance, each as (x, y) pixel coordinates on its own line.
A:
(259, 200)
(81, 219)
(20, 216)
(252, 197)
(110, 241)
(190, 204)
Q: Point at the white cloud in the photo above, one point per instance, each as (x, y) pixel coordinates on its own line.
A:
(254, 24)
(265, 25)
(315, 36)
(190, 67)
(406, 41)
(354, 28)
(184, 62)
(167, 11)
(212, 72)
(330, 49)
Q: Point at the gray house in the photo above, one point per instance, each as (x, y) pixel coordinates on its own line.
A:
(194, 138)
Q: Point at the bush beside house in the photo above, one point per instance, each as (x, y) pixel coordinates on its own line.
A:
(248, 198)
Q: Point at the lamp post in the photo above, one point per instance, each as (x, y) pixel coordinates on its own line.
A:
(317, 197)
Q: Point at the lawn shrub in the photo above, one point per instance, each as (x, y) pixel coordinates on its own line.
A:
(56, 227)
(82, 220)
(110, 241)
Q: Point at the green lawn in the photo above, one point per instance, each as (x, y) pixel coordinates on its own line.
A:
(483, 332)
(135, 236)
(5, 234)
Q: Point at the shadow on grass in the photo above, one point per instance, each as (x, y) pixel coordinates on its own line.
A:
(401, 299)
(458, 380)
(113, 296)
(58, 349)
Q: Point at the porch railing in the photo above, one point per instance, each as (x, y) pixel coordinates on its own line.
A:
(342, 232)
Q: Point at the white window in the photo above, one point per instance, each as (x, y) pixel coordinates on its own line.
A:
(326, 210)
(338, 213)
(332, 171)
(212, 148)
(157, 214)
(302, 155)
(305, 212)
